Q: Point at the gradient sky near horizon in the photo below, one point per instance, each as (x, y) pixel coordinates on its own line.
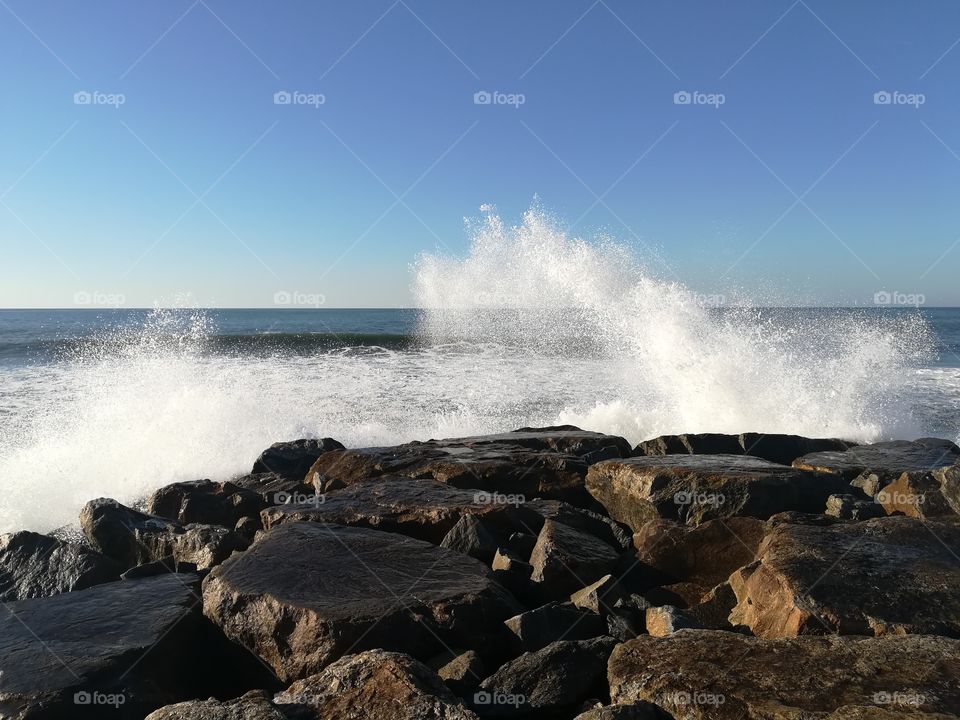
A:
(800, 187)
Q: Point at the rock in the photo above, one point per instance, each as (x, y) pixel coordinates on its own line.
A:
(849, 507)
(276, 489)
(697, 488)
(460, 670)
(134, 538)
(255, 705)
(514, 574)
(471, 536)
(120, 649)
(600, 526)
(203, 501)
(421, 508)
(923, 494)
(375, 685)
(304, 594)
(291, 460)
(703, 554)
(627, 618)
(523, 543)
(891, 575)
(598, 597)
(886, 460)
(633, 711)
(34, 566)
(565, 559)
(714, 608)
(668, 619)
(715, 675)
(535, 629)
(555, 679)
(159, 567)
(783, 449)
(522, 465)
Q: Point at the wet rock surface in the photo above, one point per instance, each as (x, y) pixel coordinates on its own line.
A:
(887, 460)
(783, 449)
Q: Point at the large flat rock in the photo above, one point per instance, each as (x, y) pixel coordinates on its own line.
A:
(421, 508)
(717, 675)
(887, 460)
(775, 447)
(531, 462)
(697, 488)
(307, 593)
(890, 575)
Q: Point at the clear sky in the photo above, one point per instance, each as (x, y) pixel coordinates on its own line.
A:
(178, 172)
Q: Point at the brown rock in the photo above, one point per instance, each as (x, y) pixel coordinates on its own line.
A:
(890, 575)
(460, 670)
(306, 593)
(851, 507)
(535, 629)
(887, 460)
(716, 675)
(696, 488)
(255, 705)
(565, 560)
(668, 619)
(923, 494)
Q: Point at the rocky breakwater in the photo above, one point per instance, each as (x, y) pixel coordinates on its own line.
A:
(546, 573)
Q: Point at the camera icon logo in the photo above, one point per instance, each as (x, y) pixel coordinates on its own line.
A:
(482, 97)
(882, 97)
(682, 97)
(82, 98)
(282, 97)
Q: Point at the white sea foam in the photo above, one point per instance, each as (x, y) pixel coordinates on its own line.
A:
(532, 327)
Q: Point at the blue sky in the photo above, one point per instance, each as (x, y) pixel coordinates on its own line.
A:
(798, 185)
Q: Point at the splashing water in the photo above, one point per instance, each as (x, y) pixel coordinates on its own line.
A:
(532, 327)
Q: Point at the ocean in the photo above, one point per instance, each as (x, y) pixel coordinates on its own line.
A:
(531, 328)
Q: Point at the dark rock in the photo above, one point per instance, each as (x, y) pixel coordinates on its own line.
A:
(633, 711)
(924, 495)
(891, 575)
(255, 705)
(850, 507)
(134, 538)
(783, 449)
(34, 566)
(697, 488)
(203, 501)
(600, 526)
(704, 554)
(565, 559)
(275, 489)
(291, 460)
(523, 543)
(668, 619)
(628, 617)
(460, 670)
(375, 685)
(714, 608)
(117, 650)
(306, 593)
(421, 508)
(598, 597)
(471, 536)
(690, 444)
(886, 460)
(159, 567)
(716, 675)
(549, 681)
(554, 621)
(514, 574)
(522, 465)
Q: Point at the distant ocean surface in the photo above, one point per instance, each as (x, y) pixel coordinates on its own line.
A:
(115, 403)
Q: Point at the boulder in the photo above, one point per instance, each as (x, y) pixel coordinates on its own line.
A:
(600, 596)
(703, 554)
(628, 617)
(886, 460)
(254, 705)
(851, 507)
(275, 489)
(134, 538)
(715, 675)
(535, 629)
(713, 609)
(695, 488)
(565, 560)
(527, 463)
(460, 670)
(472, 536)
(892, 575)
(668, 619)
(305, 593)
(776, 448)
(931, 494)
(421, 508)
(34, 566)
(203, 501)
(600, 526)
(291, 460)
(550, 681)
(119, 650)
(375, 685)
(633, 711)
